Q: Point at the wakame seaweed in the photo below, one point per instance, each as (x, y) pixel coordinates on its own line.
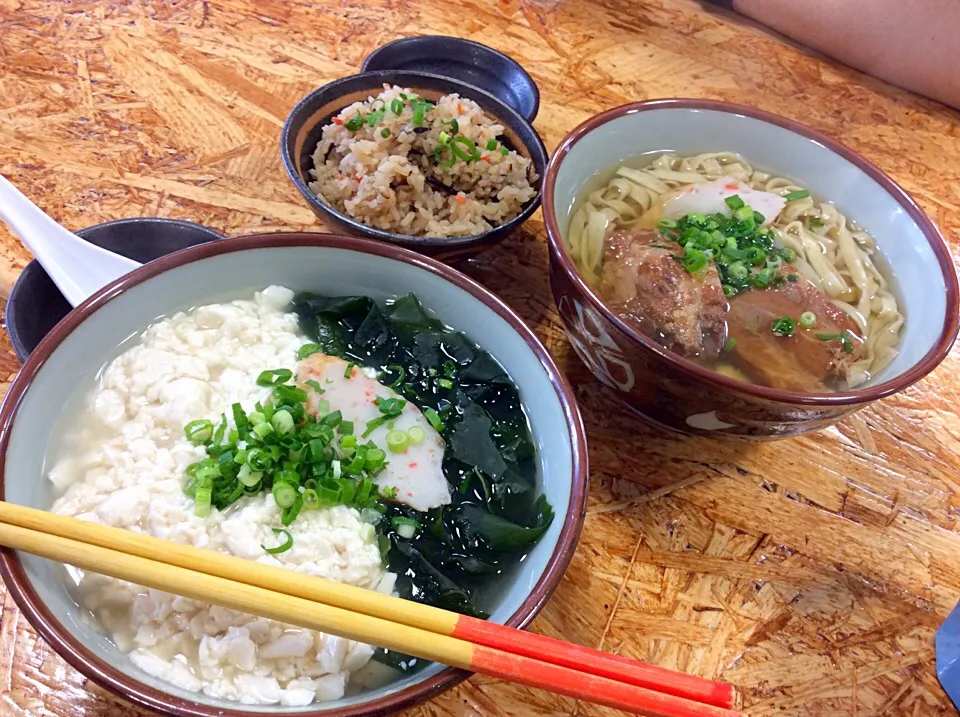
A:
(495, 515)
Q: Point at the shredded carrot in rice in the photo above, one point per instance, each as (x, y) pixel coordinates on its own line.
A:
(461, 199)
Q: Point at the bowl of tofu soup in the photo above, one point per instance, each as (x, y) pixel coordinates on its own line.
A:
(731, 272)
(337, 407)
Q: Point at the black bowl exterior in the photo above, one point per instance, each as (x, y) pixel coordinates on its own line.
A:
(303, 129)
(463, 60)
(36, 305)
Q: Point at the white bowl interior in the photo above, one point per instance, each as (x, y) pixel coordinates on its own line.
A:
(73, 366)
(917, 275)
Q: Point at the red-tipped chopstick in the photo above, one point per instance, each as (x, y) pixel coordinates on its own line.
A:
(472, 644)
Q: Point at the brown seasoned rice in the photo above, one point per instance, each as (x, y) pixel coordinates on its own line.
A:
(396, 182)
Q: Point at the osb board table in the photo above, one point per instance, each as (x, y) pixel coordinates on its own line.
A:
(812, 573)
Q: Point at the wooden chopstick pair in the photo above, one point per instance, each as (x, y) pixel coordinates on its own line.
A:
(366, 616)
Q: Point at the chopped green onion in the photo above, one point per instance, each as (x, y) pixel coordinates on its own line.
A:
(454, 125)
(284, 546)
(729, 346)
(793, 278)
(783, 326)
(332, 419)
(843, 338)
(248, 477)
(406, 527)
(284, 493)
(808, 319)
(307, 350)
(345, 428)
(290, 514)
(262, 430)
(310, 499)
(337, 469)
(438, 156)
(323, 407)
(694, 260)
(349, 370)
(398, 441)
(444, 138)
(434, 418)
(472, 154)
(221, 431)
(737, 270)
(241, 421)
(375, 457)
(666, 223)
(396, 107)
(353, 124)
(314, 385)
(762, 279)
(282, 421)
(401, 375)
(445, 383)
(289, 395)
(348, 442)
(729, 291)
(202, 501)
(788, 254)
(199, 432)
(491, 145)
(799, 194)
(734, 202)
(385, 132)
(375, 117)
(419, 108)
(389, 492)
(274, 377)
(416, 435)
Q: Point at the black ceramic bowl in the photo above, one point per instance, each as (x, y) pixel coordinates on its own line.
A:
(36, 305)
(302, 131)
(464, 60)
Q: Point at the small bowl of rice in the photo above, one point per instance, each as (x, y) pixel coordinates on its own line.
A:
(423, 161)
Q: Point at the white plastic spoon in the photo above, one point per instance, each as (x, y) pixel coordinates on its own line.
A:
(78, 268)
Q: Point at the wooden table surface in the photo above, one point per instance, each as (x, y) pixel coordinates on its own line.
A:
(812, 573)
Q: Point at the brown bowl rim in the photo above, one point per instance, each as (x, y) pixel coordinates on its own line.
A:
(85, 661)
(933, 236)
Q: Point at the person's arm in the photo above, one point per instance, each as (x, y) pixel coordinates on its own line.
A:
(914, 44)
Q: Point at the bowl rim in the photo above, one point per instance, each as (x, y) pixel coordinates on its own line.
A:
(375, 78)
(85, 661)
(29, 272)
(451, 40)
(921, 368)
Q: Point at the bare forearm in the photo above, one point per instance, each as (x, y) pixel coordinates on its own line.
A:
(914, 44)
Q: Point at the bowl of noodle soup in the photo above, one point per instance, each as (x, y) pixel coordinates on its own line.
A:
(732, 272)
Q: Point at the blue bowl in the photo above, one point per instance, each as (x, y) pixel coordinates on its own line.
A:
(463, 60)
(304, 126)
(36, 305)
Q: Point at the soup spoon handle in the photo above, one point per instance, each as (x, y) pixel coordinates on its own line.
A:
(77, 267)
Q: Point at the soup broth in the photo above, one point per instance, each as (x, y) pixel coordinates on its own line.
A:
(739, 269)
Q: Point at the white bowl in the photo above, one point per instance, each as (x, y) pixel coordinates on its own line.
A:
(679, 394)
(77, 348)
